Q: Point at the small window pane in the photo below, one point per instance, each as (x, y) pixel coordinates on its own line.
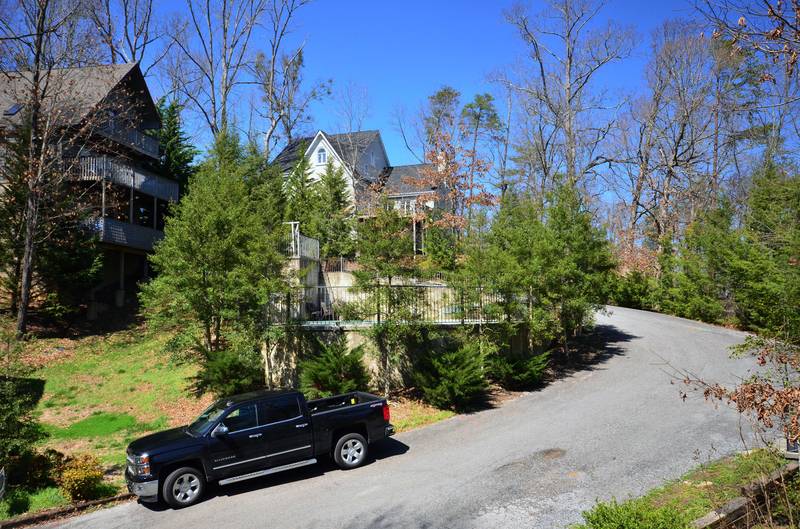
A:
(322, 156)
(241, 418)
(278, 409)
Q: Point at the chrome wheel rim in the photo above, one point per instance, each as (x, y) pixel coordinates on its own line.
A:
(352, 451)
(186, 487)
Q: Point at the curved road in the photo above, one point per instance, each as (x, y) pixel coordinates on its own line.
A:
(616, 428)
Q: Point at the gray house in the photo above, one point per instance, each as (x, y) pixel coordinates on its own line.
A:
(114, 164)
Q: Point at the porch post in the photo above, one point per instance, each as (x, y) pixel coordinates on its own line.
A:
(119, 297)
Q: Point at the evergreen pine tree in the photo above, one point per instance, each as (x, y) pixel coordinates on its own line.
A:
(334, 370)
(335, 214)
(302, 199)
(217, 267)
(177, 153)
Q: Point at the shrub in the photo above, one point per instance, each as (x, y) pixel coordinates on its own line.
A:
(453, 378)
(333, 370)
(519, 373)
(81, 478)
(634, 514)
(33, 470)
(17, 501)
(634, 290)
(229, 372)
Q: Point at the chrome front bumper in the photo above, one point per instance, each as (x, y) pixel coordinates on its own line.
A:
(146, 490)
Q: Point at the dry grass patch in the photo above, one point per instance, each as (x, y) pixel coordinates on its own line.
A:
(409, 413)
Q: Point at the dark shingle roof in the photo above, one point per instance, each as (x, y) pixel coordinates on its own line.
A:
(348, 146)
(291, 154)
(74, 91)
(403, 179)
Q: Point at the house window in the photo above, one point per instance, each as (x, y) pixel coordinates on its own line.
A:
(143, 209)
(322, 156)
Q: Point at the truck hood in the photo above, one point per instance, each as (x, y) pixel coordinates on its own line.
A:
(162, 441)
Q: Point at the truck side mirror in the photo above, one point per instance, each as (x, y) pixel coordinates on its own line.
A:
(220, 431)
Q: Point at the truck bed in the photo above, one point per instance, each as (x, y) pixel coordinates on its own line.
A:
(339, 402)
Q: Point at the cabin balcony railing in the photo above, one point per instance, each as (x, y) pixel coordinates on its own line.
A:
(132, 138)
(113, 231)
(95, 168)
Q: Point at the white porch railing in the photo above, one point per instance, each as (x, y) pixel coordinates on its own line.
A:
(300, 246)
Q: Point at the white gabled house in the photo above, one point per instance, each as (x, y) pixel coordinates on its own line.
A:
(363, 157)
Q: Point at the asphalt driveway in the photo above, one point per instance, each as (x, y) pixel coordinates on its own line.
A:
(616, 428)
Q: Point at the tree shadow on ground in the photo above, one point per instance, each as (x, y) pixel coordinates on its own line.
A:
(588, 351)
(585, 353)
(79, 326)
(381, 450)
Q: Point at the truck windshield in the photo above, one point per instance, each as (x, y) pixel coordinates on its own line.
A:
(203, 423)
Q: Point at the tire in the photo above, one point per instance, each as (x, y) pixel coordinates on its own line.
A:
(351, 451)
(183, 487)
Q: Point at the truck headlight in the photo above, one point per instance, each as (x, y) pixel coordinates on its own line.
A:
(141, 465)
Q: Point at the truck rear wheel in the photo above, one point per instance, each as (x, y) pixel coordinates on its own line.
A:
(183, 487)
(350, 451)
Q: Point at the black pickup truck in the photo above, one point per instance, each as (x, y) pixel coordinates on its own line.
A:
(252, 435)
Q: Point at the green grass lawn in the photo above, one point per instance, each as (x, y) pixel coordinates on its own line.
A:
(109, 390)
(20, 502)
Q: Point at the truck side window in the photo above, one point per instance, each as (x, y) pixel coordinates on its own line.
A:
(241, 418)
(278, 409)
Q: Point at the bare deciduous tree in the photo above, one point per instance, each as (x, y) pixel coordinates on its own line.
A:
(280, 79)
(213, 54)
(127, 30)
(569, 117)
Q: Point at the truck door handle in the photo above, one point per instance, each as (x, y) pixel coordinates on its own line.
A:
(301, 425)
(255, 435)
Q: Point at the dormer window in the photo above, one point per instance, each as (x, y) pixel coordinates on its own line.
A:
(322, 156)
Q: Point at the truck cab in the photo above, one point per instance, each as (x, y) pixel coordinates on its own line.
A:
(252, 435)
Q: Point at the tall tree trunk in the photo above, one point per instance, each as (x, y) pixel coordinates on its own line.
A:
(31, 218)
(35, 150)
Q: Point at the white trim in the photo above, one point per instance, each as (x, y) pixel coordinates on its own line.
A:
(239, 462)
(262, 457)
(287, 451)
(267, 471)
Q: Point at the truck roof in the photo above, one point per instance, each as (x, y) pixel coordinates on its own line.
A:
(255, 395)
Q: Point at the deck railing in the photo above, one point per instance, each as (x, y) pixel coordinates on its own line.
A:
(299, 246)
(119, 233)
(120, 172)
(132, 138)
(426, 303)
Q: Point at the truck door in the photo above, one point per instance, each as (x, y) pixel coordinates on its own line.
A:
(287, 432)
(241, 450)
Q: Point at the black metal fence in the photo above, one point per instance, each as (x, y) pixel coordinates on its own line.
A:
(426, 303)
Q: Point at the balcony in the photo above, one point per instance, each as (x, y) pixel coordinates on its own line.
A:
(131, 137)
(299, 246)
(112, 231)
(96, 168)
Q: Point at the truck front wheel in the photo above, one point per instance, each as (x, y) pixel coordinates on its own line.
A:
(350, 451)
(183, 487)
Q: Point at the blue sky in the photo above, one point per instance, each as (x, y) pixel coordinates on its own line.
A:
(401, 52)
